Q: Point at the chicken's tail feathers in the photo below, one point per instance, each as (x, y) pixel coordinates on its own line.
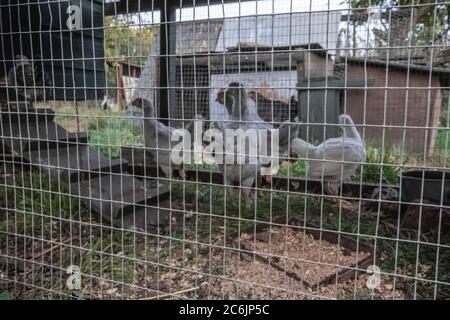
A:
(302, 148)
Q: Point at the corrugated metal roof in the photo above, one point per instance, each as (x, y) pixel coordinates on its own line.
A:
(281, 30)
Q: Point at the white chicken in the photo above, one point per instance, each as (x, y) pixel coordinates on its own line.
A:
(244, 174)
(109, 104)
(336, 159)
(157, 137)
(242, 114)
(287, 131)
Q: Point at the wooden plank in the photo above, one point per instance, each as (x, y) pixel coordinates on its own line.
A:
(74, 162)
(21, 112)
(22, 137)
(114, 196)
(158, 213)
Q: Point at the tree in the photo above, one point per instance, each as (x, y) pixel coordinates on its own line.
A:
(411, 22)
(127, 37)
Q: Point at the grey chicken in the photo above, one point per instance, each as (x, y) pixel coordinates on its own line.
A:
(28, 81)
(239, 174)
(336, 159)
(157, 137)
(250, 111)
(287, 131)
(109, 103)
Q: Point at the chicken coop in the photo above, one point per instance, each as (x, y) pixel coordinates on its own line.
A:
(210, 149)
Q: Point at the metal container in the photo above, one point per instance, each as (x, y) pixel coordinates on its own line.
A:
(436, 187)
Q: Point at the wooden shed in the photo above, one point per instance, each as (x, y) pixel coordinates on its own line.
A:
(401, 107)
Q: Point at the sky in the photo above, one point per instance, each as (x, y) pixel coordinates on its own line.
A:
(260, 7)
(247, 8)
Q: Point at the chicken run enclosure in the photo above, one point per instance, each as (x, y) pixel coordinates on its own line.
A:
(210, 149)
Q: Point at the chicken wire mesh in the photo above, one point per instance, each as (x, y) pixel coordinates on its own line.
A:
(354, 205)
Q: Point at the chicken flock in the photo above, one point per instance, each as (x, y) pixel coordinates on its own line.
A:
(333, 161)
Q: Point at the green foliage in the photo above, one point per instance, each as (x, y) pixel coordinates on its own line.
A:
(444, 120)
(430, 21)
(295, 169)
(382, 165)
(442, 146)
(443, 140)
(6, 296)
(37, 206)
(33, 198)
(126, 37)
(109, 133)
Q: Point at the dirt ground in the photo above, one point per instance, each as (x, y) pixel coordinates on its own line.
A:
(229, 274)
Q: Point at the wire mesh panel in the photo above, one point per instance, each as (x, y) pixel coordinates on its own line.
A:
(270, 149)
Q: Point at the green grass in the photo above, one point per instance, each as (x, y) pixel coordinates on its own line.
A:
(6, 296)
(108, 134)
(443, 140)
(382, 166)
(108, 131)
(38, 214)
(295, 169)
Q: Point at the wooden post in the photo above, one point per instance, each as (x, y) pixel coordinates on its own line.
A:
(167, 60)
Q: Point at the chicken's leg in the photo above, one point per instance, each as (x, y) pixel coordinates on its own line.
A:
(182, 172)
(332, 188)
(249, 196)
(228, 188)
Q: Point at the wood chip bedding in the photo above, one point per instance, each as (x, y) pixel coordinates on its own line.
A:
(300, 253)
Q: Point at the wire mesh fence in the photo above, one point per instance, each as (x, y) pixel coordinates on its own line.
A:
(270, 149)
